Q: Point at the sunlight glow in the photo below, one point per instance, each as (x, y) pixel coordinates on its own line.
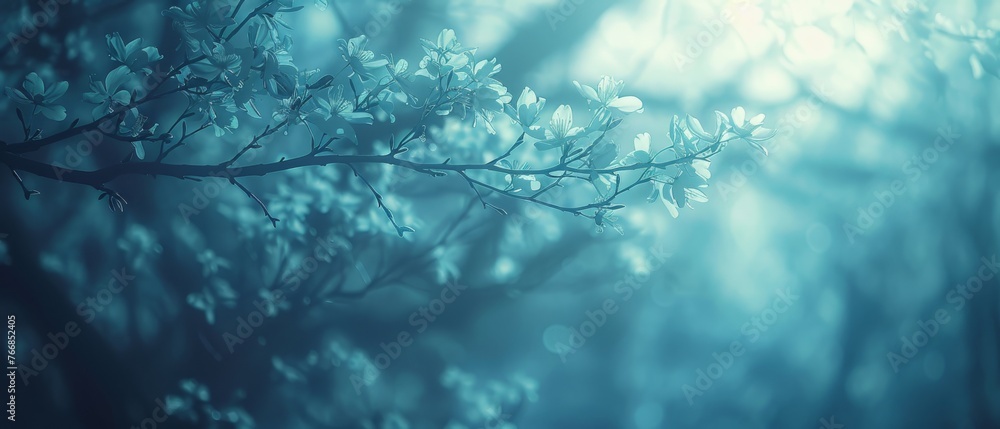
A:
(322, 24)
(810, 46)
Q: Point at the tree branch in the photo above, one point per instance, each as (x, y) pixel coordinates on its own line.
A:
(33, 145)
(182, 171)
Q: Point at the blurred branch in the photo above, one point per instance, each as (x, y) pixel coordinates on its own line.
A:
(98, 178)
(69, 9)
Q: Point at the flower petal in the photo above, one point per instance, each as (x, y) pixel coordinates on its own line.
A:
(140, 152)
(374, 64)
(679, 194)
(763, 133)
(116, 78)
(608, 89)
(701, 168)
(695, 126)
(152, 54)
(17, 95)
(34, 85)
(446, 39)
(587, 92)
(56, 91)
(93, 97)
(757, 146)
(642, 142)
(739, 117)
(133, 46)
(668, 201)
(527, 97)
(627, 104)
(101, 110)
(562, 120)
(55, 113)
(695, 195)
(536, 132)
(122, 97)
(358, 117)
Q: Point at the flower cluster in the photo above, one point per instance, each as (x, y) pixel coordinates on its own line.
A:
(40, 99)
(237, 68)
(681, 184)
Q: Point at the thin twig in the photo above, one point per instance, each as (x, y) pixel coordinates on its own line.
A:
(27, 193)
(274, 220)
(378, 199)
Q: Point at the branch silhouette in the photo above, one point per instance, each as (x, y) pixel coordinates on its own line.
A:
(450, 81)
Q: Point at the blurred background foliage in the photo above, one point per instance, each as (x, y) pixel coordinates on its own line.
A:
(857, 90)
